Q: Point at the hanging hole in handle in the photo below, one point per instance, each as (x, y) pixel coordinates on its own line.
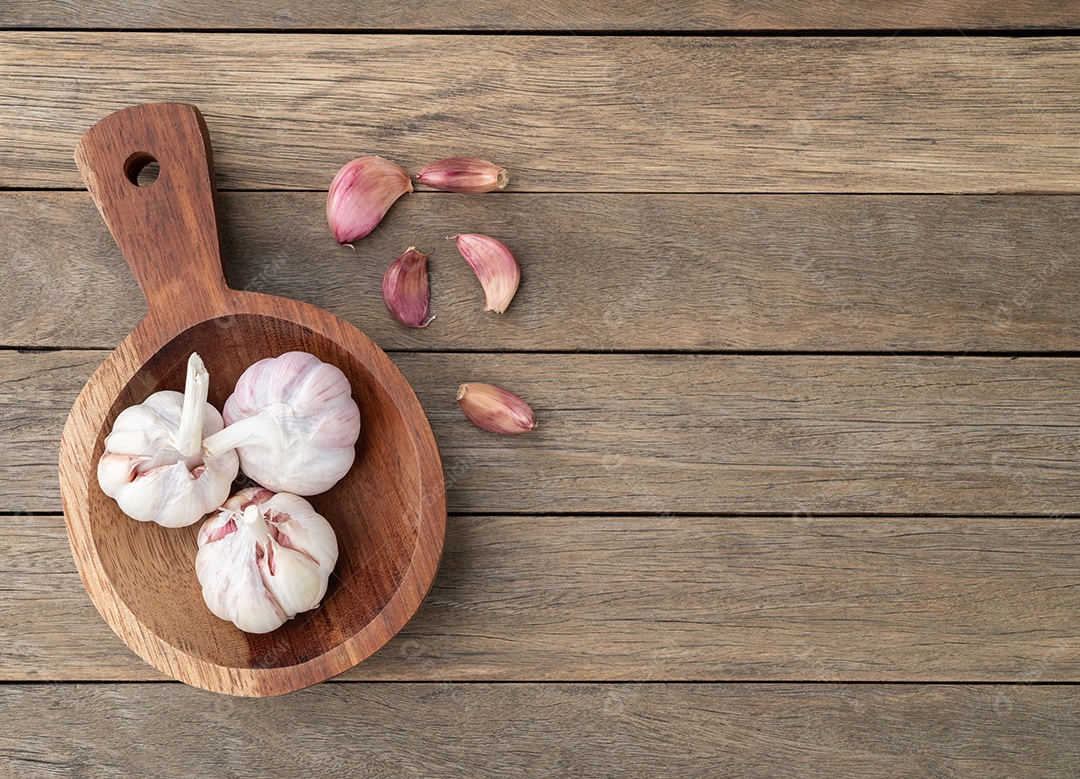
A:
(141, 169)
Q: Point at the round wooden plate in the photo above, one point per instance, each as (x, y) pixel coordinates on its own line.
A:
(389, 512)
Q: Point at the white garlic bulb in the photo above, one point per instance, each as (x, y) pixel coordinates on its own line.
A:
(264, 558)
(154, 466)
(293, 422)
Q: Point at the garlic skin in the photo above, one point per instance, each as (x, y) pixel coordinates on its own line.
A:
(464, 174)
(361, 194)
(494, 265)
(405, 289)
(264, 558)
(153, 465)
(293, 422)
(495, 409)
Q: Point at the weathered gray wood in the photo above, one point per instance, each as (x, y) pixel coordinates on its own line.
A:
(626, 272)
(690, 433)
(500, 730)
(551, 15)
(658, 598)
(37, 391)
(572, 113)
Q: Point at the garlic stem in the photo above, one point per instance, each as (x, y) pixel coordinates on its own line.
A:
(259, 430)
(253, 518)
(189, 433)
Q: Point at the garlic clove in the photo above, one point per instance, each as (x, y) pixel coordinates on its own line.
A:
(294, 579)
(405, 289)
(314, 539)
(115, 470)
(494, 265)
(495, 409)
(140, 428)
(170, 495)
(361, 194)
(464, 174)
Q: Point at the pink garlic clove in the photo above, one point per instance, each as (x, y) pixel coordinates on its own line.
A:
(494, 265)
(118, 469)
(464, 174)
(361, 194)
(495, 409)
(405, 289)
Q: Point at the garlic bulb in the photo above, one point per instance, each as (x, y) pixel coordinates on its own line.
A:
(264, 558)
(153, 465)
(293, 422)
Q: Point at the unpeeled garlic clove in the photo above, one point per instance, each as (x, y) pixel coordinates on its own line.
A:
(464, 174)
(494, 265)
(361, 194)
(495, 409)
(405, 289)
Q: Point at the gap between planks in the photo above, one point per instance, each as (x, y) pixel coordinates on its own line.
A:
(912, 32)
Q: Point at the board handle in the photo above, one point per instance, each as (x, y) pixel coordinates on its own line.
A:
(166, 229)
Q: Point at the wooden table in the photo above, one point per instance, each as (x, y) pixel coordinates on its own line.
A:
(799, 317)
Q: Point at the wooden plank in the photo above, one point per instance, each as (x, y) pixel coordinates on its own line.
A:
(660, 599)
(573, 113)
(550, 16)
(690, 433)
(623, 272)
(498, 730)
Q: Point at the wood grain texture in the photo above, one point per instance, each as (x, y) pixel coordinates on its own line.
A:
(691, 433)
(624, 272)
(167, 232)
(573, 113)
(500, 730)
(551, 15)
(660, 599)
